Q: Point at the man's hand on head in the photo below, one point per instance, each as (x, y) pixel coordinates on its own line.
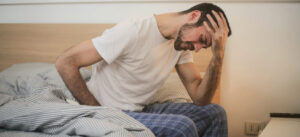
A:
(219, 33)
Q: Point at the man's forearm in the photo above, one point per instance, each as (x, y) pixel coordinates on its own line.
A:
(75, 83)
(210, 82)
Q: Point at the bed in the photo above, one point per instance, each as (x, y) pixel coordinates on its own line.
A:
(30, 85)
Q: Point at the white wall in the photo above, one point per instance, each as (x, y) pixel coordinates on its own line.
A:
(261, 71)
(84, 13)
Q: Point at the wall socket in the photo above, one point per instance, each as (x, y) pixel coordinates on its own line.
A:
(254, 128)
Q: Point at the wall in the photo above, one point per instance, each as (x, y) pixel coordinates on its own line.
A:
(261, 71)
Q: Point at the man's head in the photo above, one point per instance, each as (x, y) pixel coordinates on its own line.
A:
(194, 35)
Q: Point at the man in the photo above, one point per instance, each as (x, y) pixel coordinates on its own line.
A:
(135, 57)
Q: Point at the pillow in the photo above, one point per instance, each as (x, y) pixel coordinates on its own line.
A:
(39, 68)
(46, 71)
(172, 90)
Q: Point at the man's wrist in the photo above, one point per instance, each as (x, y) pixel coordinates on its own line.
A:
(218, 59)
(93, 103)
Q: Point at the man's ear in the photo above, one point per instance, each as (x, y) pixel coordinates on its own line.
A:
(194, 16)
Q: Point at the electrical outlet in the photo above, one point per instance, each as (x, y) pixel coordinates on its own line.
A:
(254, 127)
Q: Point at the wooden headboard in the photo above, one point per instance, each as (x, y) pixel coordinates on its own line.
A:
(21, 43)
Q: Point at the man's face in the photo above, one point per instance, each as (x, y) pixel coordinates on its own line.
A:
(192, 37)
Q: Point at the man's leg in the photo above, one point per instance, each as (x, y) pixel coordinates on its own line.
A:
(211, 120)
(166, 125)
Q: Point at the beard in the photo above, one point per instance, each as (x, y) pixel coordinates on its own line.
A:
(178, 41)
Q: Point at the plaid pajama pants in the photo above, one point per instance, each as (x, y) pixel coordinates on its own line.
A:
(183, 120)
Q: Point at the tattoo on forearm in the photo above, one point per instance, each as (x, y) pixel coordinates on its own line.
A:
(211, 80)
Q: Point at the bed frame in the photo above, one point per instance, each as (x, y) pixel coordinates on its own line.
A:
(20, 43)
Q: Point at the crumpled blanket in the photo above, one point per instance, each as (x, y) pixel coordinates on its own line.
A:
(33, 103)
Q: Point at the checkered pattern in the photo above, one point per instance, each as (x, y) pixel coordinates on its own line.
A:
(32, 104)
(184, 120)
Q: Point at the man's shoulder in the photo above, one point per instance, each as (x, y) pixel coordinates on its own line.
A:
(133, 24)
(140, 19)
(139, 22)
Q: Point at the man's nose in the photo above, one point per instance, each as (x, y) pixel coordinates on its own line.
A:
(198, 46)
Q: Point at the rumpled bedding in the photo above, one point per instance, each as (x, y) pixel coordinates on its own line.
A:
(33, 103)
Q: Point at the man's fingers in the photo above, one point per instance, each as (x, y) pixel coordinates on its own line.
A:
(224, 21)
(219, 20)
(213, 23)
(210, 31)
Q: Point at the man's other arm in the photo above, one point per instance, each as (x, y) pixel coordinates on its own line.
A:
(68, 65)
(202, 90)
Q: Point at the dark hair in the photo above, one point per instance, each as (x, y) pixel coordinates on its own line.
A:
(206, 8)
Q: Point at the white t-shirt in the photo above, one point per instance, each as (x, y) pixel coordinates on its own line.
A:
(137, 61)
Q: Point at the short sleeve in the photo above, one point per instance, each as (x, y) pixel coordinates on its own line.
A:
(185, 57)
(114, 42)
